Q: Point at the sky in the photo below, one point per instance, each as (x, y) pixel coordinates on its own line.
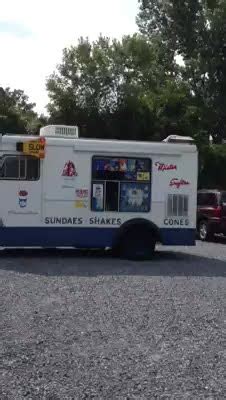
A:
(33, 34)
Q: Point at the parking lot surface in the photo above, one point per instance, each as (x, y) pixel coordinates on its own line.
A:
(77, 325)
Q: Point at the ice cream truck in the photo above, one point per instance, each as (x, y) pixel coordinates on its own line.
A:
(59, 190)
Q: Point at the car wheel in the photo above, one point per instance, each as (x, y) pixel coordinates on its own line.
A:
(137, 244)
(204, 231)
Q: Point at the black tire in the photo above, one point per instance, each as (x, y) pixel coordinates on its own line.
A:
(204, 231)
(137, 244)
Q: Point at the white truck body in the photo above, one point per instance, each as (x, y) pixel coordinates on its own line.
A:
(86, 190)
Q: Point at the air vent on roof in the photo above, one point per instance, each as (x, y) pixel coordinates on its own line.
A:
(179, 139)
(63, 131)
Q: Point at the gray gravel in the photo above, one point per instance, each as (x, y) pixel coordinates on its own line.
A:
(86, 326)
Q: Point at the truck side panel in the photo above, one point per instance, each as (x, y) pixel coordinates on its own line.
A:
(61, 203)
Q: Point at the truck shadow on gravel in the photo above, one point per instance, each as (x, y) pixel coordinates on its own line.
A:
(95, 263)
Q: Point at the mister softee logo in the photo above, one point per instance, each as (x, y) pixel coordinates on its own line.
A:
(175, 182)
(69, 170)
(165, 167)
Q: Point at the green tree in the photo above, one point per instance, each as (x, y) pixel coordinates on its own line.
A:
(212, 167)
(128, 89)
(17, 114)
(195, 30)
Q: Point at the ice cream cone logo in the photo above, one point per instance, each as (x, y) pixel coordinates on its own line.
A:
(69, 169)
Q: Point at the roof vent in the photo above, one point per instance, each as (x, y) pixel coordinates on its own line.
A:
(179, 139)
(63, 131)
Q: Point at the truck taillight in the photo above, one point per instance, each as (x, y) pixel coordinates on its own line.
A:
(217, 212)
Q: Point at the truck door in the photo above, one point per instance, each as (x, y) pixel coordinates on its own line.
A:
(20, 189)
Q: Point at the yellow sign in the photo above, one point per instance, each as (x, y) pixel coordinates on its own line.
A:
(35, 148)
(143, 176)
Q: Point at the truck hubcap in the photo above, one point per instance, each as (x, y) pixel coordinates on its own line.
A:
(203, 231)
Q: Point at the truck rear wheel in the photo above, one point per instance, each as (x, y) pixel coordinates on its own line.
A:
(137, 244)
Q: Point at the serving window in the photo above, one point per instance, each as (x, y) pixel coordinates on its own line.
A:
(121, 184)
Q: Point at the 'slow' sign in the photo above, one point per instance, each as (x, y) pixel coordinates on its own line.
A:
(35, 148)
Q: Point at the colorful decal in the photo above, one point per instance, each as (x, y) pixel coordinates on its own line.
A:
(123, 166)
(120, 169)
(82, 196)
(175, 182)
(131, 165)
(143, 176)
(23, 198)
(69, 170)
(111, 165)
(140, 165)
(82, 193)
(98, 197)
(115, 164)
(81, 203)
(35, 148)
(165, 167)
(98, 164)
(131, 173)
(134, 197)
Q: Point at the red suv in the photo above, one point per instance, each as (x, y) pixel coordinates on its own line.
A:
(211, 213)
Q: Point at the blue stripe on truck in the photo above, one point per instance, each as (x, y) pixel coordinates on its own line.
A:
(82, 237)
(178, 237)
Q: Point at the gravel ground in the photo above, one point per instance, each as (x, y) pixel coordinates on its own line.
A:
(86, 326)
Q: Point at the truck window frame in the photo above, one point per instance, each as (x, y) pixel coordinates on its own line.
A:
(19, 158)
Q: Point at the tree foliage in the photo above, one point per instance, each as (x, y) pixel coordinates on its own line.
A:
(212, 167)
(17, 114)
(195, 30)
(128, 89)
